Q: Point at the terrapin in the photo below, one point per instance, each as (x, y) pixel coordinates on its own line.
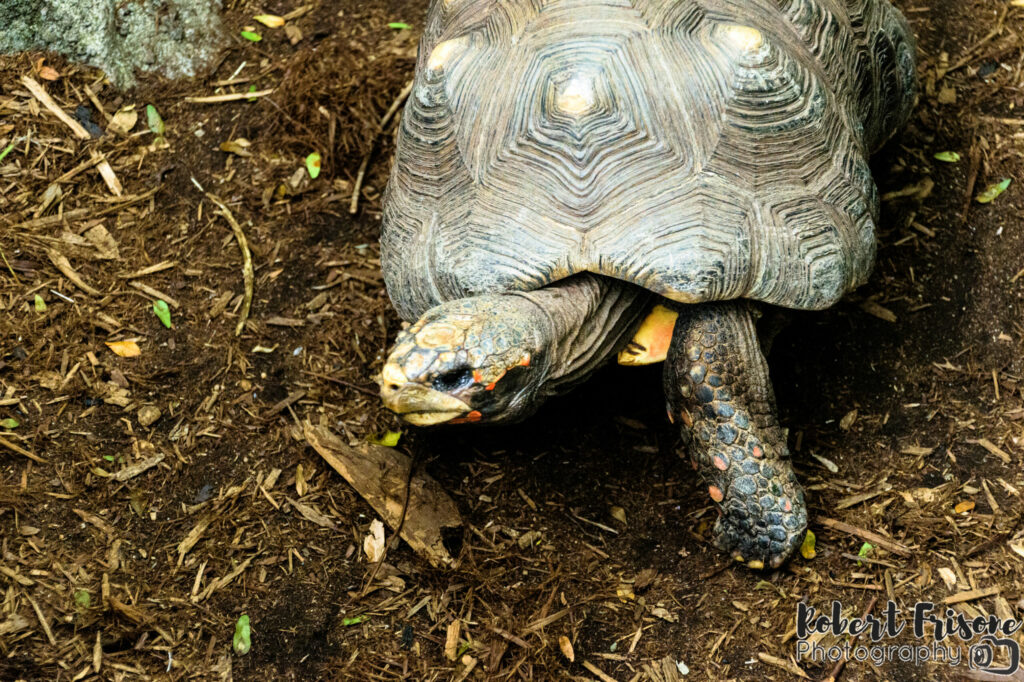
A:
(567, 168)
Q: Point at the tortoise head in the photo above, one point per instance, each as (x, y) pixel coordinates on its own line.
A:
(479, 359)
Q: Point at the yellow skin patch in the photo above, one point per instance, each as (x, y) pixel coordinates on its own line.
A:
(650, 343)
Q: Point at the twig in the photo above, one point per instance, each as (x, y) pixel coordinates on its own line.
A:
(22, 451)
(9, 268)
(875, 538)
(247, 271)
(155, 293)
(395, 105)
(972, 178)
(42, 620)
(62, 264)
(353, 205)
(109, 177)
(834, 675)
(228, 97)
(601, 675)
(44, 98)
(342, 382)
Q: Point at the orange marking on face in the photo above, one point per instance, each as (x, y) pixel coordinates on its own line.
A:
(758, 452)
(687, 419)
(671, 419)
(716, 493)
(490, 386)
(473, 416)
(720, 463)
(477, 376)
(525, 362)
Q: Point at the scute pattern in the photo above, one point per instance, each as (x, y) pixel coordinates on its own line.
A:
(703, 149)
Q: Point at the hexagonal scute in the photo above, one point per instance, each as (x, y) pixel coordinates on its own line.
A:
(704, 149)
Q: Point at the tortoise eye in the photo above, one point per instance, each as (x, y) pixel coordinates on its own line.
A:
(453, 380)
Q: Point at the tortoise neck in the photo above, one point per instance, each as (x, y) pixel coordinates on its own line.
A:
(590, 318)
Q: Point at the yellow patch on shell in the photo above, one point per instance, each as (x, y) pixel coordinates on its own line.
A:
(650, 343)
(746, 38)
(576, 97)
(443, 52)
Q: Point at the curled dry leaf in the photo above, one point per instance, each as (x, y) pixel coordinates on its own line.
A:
(566, 646)
(125, 349)
(373, 543)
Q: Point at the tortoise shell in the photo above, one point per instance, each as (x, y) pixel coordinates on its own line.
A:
(702, 149)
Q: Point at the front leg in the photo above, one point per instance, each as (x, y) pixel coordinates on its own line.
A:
(717, 387)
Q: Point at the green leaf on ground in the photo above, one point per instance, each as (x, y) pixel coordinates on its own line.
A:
(242, 641)
(156, 124)
(993, 191)
(313, 165)
(161, 310)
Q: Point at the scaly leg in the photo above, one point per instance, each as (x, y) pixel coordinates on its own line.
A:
(717, 386)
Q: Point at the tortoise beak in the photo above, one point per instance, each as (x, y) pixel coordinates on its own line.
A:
(416, 403)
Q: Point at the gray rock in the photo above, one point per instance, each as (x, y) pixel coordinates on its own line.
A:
(173, 37)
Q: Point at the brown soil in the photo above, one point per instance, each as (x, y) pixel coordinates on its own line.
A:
(911, 388)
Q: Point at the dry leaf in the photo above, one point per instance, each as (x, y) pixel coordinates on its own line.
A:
(270, 20)
(948, 577)
(847, 421)
(566, 646)
(373, 543)
(238, 146)
(294, 33)
(965, 506)
(125, 349)
(48, 73)
(619, 514)
(664, 614)
(104, 242)
(123, 121)
(381, 476)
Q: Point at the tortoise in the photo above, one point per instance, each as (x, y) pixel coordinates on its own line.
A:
(580, 180)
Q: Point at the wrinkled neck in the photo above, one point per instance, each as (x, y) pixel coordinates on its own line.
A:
(588, 319)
